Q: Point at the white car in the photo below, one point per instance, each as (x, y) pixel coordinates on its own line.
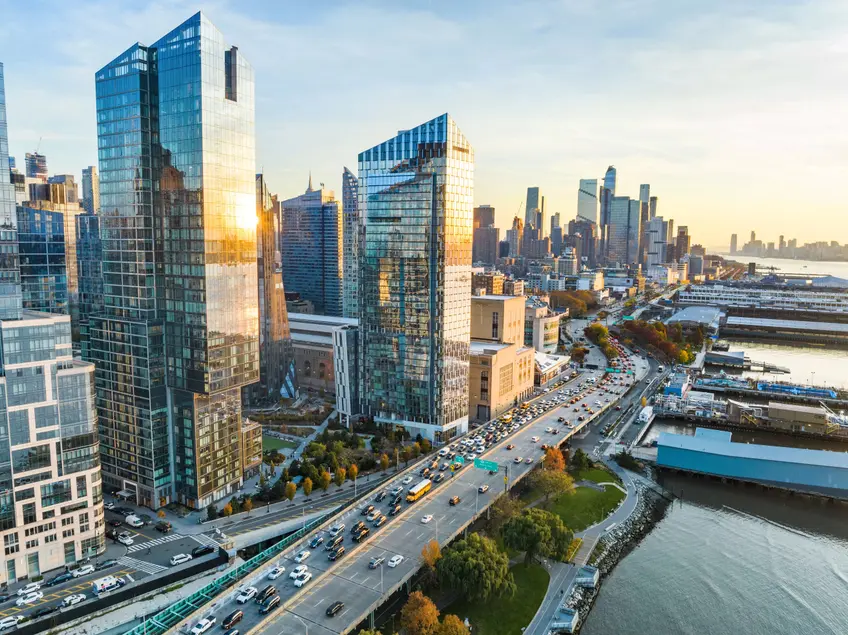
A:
(30, 598)
(302, 556)
(125, 540)
(32, 587)
(110, 506)
(407, 480)
(534, 439)
(395, 561)
(203, 625)
(84, 570)
(247, 595)
(426, 519)
(276, 572)
(180, 558)
(297, 571)
(10, 622)
(517, 459)
(303, 579)
(73, 599)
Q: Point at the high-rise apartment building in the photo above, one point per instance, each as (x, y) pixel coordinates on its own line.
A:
(44, 272)
(484, 216)
(584, 235)
(587, 200)
(657, 236)
(10, 275)
(645, 216)
(415, 200)
(624, 231)
(178, 338)
(276, 374)
(485, 245)
(312, 249)
(90, 190)
(534, 210)
(71, 193)
(607, 194)
(36, 166)
(734, 244)
(89, 276)
(350, 275)
(515, 237)
(681, 245)
(652, 207)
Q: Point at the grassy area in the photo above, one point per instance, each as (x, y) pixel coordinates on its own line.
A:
(507, 616)
(511, 553)
(272, 443)
(586, 506)
(596, 475)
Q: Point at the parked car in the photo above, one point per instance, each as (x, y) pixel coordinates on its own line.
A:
(203, 625)
(59, 579)
(105, 564)
(180, 558)
(32, 587)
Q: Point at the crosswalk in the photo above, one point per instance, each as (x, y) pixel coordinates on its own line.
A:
(203, 539)
(140, 546)
(147, 567)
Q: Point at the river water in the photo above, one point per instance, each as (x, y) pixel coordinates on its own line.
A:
(731, 559)
(785, 265)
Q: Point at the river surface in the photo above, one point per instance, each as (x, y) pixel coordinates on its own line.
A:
(785, 265)
(731, 559)
(727, 559)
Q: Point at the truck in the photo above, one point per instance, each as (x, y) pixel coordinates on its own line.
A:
(107, 583)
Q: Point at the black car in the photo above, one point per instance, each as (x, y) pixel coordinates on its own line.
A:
(334, 608)
(111, 562)
(439, 478)
(395, 510)
(163, 526)
(359, 536)
(202, 551)
(44, 610)
(317, 540)
(62, 577)
(397, 499)
(232, 619)
(358, 526)
(114, 523)
(381, 496)
(273, 603)
(265, 593)
(338, 553)
(367, 510)
(124, 511)
(5, 597)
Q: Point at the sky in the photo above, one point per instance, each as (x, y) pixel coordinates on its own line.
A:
(733, 111)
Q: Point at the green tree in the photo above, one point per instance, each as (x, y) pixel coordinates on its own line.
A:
(426, 446)
(234, 505)
(579, 461)
(247, 505)
(452, 625)
(291, 490)
(552, 483)
(307, 487)
(340, 476)
(384, 462)
(476, 567)
(419, 616)
(537, 532)
(211, 512)
(504, 508)
(324, 480)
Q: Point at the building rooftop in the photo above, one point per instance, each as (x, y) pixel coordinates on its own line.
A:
(793, 407)
(483, 347)
(546, 362)
(699, 314)
(494, 297)
(796, 325)
(329, 320)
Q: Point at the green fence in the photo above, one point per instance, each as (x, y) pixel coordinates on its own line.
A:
(177, 612)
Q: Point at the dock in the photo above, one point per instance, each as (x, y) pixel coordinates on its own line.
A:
(794, 393)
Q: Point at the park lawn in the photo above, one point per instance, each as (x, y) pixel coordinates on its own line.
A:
(596, 475)
(273, 443)
(586, 506)
(507, 616)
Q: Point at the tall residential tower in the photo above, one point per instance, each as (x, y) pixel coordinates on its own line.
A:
(350, 213)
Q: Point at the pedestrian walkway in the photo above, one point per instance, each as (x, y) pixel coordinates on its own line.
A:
(141, 565)
(206, 541)
(141, 546)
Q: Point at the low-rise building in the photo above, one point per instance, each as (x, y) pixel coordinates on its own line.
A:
(707, 318)
(501, 375)
(548, 367)
(513, 287)
(251, 447)
(312, 341)
(492, 282)
(541, 325)
(590, 280)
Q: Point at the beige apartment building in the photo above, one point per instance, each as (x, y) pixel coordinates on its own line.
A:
(501, 366)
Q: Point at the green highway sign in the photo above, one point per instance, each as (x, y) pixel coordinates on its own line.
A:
(485, 465)
(460, 459)
(613, 370)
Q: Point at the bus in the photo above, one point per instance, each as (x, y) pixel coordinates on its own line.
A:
(419, 490)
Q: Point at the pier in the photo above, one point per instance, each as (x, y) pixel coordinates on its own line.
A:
(790, 330)
(793, 393)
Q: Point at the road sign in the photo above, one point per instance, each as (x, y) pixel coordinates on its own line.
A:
(613, 370)
(485, 465)
(460, 459)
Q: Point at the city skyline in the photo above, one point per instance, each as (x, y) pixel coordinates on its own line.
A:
(729, 124)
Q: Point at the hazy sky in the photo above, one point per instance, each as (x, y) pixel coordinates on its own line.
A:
(733, 111)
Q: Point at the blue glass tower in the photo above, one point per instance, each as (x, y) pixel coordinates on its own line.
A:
(44, 272)
(178, 337)
(10, 287)
(350, 212)
(89, 276)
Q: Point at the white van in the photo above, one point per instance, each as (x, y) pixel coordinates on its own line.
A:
(134, 521)
(108, 583)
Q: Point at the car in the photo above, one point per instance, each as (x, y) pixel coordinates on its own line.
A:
(367, 510)
(273, 603)
(105, 564)
(618, 407)
(302, 556)
(549, 430)
(42, 611)
(276, 572)
(528, 460)
(381, 520)
(180, 558)
(125, 540)
(5, 597)
(76, 598)
(110, 506)
(517, 459)
(407, 480)
(29, 598)
(114, 523)
(397, 500)
(32, 587)
(83, 570)
(134, 521)
(247, 595)
(335, 530)
(360, 535)
(10, 622)
(581, 418)
(232, 631)
(163, 526)
(381, 496)
(444, 466)
(396, 490)
(316, 541)
(455, 500)
(124, 511)
(202, 551)
(357, 527)
(203, 625)
(534, 439)
(394, 510)
(338, 553)
(511, 446)
(334, 609)
(375, 562)
(483, 489)
(492, 472)
(265, 593)
(232, 619)
(426, 519)
(303, 579)
(395, 561)
(298, 570)
(58, 579)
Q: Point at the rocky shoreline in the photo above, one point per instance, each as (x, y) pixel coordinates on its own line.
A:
(650, 509)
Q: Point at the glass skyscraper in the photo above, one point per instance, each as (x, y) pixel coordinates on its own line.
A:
(624, 231)
(10, 276)
(312, 249)
(607, 194)
(178, 337)
(416, 195)
(89, 276)
(44, 271)
(90, 190)
(587, 200)
(350, 211)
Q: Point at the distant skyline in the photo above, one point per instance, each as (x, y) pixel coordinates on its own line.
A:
(733, 114)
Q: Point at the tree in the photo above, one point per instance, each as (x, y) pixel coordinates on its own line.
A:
(340, 476)
(211, 512)
(554, 460)
(431, 553)
(476, 567)
(452, 625)
(504, 508)
(579, 461)
(307, 487)
(537, 532)
(352, 471)
(368, 631)
(161, 513)
(551, 483)
(406, 455)
(419, 616)
(247, 505)
(291, 490)
(426, 446)
(235, 505)
(324, 480)
(415, 448)
(228, 510)
(384, 462)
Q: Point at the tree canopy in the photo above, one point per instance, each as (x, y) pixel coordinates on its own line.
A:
(419, 616)
(552, 482)
(476, 567)
(537, 532)
(554, 460)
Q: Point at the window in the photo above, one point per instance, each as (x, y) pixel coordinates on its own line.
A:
(33, 568)
(50, 538)
(67, 533)
(484, 385)
(55, 493)
(83, 522)
(67, 521)
(34, 458)
(231, 74)
(82, 489)
(29, 513)
(10, 542)
(19, 427)
(25, 494)
(70, 552)
(495, 319)
(32, 544)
